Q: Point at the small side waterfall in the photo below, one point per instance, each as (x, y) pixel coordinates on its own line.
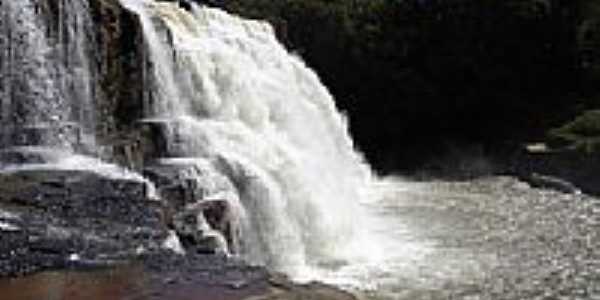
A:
(47, 89)
(233, 97)
(46, 77)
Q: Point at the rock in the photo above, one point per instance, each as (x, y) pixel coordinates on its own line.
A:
(577, 171)
(198, 233)
(50, 215)
(163, 276)
(58, 134)
(187, 4)
(173, 243)
(551, 182)
(30, 155)
(186, 180)
(8, 227)
(155, 135)
(211, 242)
(201, 203)
(285, 289)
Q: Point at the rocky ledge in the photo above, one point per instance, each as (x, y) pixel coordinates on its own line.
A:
(82, 224)
(57, 218)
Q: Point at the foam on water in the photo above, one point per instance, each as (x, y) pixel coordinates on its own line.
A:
(264, 119)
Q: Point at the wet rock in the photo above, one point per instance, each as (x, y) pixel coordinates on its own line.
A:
(164, 138)
(201, 203)
(57, 134)
(31, 155)
(121, 59)
(8, 227)
(154, 135)
(311, 291)
(49, 215)
(551, 182)
(186, 180)
(197, 234)
(173, 243)
(580, 170)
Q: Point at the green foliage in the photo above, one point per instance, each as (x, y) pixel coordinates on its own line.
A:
(586, 125)
(583, 133)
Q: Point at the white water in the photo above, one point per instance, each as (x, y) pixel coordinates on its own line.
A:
(242, 102)
(47, 158)
(239, 106)
(45, 74)
(29, 67)
(47, 100)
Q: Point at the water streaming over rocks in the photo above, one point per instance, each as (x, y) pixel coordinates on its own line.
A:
(248, 156)
(46, 75)
(230, 95)
(220, 110)
(48, 93)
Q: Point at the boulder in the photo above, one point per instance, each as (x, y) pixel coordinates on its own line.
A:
(182, 181)
(207, 226)
(202, 203)
(552, 182)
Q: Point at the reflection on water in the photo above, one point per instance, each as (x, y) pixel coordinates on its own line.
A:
(127, 283)
(99, 285)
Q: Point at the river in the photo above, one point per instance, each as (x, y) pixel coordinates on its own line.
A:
(491, 238)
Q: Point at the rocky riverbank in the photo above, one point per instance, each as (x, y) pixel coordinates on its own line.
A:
(111, 237)
(565, 170)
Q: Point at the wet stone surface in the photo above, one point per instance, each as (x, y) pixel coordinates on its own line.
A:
(52, 219)
(163, 276)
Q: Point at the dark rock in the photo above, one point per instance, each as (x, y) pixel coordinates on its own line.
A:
(551, 182)
(31, 155)
(120, 60)
(206, 227)
(183, 181)
(567, 170)
(44, 134)
(187, 4)
(202, 222)
(65, 214)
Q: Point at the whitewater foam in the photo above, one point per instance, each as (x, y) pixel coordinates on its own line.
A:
(241, 101)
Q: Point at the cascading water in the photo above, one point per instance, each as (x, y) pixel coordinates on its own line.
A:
(47, 111)
(46, 90)
(234, 97)
(233, 101)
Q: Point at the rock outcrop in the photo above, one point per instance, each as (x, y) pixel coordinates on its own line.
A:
(201, 203)
(79, 127)
(55, 218)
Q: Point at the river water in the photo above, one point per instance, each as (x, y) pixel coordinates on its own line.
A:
(492, 238)
(234, 98)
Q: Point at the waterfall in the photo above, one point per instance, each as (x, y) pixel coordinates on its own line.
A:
(45, 73)
(47, 93)
(234, 97)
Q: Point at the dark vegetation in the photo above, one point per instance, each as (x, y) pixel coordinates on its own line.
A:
(418, 75)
